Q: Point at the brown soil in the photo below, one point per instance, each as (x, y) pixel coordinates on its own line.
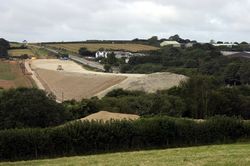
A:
(6, 84)
(106, 116)
(67, 85)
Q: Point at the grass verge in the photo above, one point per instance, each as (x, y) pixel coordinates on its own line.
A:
(229, 155)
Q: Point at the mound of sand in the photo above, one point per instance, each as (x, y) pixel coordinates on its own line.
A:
(106, 116)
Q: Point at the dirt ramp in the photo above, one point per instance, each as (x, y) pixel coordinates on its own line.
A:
(67, 86)
(106, 116)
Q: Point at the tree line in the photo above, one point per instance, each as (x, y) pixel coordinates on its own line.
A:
(199, 97)
(84, 137)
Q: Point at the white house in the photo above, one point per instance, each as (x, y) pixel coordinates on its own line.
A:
(170, 43)
(189, 45)
(101, 54)
(230, 45)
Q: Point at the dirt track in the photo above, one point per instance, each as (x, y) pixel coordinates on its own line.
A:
(74, 82)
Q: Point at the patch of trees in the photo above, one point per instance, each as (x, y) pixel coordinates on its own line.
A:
(85, 52)
(22, 107)
(201, 59)
(4, 46)
(94, 137)
(78, 110)
(200, 97)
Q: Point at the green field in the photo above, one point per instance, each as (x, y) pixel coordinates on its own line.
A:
(5, 72)
(96, 46)
(19, 52)
(216, 155)
(40, 53)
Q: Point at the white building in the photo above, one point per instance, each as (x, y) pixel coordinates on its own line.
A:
(189, 45)
(170, 43)
(101, 54)
(225, 44)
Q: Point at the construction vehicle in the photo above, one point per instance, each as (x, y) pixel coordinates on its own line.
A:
(59, 67)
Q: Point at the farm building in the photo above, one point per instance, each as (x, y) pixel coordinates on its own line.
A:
(101, 54)
(170, 43)
(230, 45)
(118, 54)
(189, 45)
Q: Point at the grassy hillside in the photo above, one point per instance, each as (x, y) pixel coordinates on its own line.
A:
(19, 52)
(94, 47)
(234, 154)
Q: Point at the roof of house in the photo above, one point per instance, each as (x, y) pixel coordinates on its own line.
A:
(169, 43)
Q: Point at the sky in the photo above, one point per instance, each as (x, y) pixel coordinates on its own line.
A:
(77, 20)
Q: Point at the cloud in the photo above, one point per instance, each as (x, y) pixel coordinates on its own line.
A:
(63, 20)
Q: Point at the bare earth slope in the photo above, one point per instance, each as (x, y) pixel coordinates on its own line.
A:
(74, 82)
(66, 85)
(106, 116)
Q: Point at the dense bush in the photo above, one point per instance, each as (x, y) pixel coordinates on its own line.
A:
(4, 46)
(85, 52)
(92, 137)
(25, 107)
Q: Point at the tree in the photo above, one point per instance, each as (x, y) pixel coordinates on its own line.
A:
(244, 73)
(175, 37)
(85, 52)
(111, 59)
(196, 91)
(153, 41)
(25, 107)
(243, 42)
(231, 75)
(4, 46)
(219, 42)
(107, 68)
(4, 43)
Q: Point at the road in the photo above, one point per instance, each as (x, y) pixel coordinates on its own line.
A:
(80, 60)
(87, 62)
(33, 76)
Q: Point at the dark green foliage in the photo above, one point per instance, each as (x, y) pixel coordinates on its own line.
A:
(4, 46)
(85, 52)
(111, 59)
(122, 93)
(107, 68)
(78, 110)
(199, 97)
(201, 59)
(92, 137)
(24, 107)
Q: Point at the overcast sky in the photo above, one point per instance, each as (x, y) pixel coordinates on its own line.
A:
(68, 20)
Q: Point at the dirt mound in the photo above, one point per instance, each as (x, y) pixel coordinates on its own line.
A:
(106, 116)
(75, 82)
(67, 86)
(148, 83)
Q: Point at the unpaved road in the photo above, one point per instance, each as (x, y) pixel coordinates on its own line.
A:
(74, 82)
(33, 76)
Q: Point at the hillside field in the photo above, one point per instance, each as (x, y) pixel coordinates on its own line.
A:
(94, 47)
(11, 76)
(19, 52)
(219, 155)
